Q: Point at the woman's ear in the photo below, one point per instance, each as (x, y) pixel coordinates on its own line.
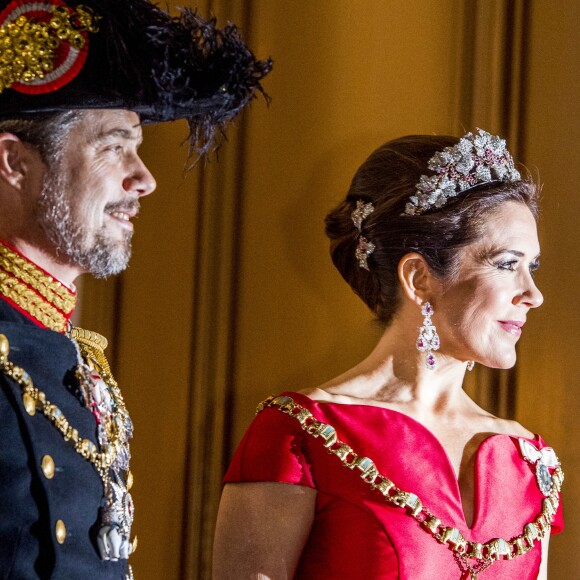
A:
(415, 277)
(14, 160)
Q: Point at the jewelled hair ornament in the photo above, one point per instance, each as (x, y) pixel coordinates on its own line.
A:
(476, 159)
(364, 247)
(58, 55)
(428, 340)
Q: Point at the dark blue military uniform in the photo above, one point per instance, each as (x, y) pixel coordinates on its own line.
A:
(96, 54)
(49, 494)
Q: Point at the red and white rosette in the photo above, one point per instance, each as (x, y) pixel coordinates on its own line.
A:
(68, 61)
(542, 459)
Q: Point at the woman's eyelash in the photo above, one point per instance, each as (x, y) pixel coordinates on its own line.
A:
(508, 265)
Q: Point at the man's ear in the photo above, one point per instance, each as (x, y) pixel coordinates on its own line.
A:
(415, 277)
(14, 160)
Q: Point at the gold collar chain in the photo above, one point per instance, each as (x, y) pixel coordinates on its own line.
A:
(116, 515)
(34, 291)
(33, 399)
(484, 554)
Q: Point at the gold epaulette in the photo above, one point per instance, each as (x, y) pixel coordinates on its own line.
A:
(92, 346)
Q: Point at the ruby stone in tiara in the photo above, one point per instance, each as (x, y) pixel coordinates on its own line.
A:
(476, 159)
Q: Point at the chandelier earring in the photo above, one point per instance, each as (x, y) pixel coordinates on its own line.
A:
(428, 339)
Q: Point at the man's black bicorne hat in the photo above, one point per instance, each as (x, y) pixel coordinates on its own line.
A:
(57, 55)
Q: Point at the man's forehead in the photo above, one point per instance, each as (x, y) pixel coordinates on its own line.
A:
(103, 122)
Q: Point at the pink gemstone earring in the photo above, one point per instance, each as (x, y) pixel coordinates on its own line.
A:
(428, 340)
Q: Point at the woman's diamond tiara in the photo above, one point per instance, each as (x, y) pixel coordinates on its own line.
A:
(476, 159)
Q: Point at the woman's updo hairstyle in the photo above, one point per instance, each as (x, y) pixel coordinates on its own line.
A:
(387, 179)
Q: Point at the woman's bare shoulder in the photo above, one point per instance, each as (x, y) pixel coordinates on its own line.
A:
(315, 393)
(491, 424)
(325, 396)
(510, 427)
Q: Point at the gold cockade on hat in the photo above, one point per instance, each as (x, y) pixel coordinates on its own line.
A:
(28, 46)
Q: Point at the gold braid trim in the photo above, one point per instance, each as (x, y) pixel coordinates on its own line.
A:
(90, 338)
(484, 553)
(56, 293)
(29, 301)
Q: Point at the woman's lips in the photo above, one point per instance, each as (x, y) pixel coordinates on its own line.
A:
(512, 326)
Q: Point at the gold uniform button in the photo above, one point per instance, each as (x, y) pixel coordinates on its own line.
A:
(47, 466)
(60, 532)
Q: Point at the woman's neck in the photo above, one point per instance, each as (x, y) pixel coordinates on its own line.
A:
(395, 373)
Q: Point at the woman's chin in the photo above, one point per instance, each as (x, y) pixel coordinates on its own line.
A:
(503, 363)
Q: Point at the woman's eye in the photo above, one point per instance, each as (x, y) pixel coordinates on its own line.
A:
(534, 267)
(509, 266)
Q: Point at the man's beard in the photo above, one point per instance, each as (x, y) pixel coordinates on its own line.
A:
(73, 241)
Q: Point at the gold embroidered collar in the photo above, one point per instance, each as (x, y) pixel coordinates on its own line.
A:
(33, 291)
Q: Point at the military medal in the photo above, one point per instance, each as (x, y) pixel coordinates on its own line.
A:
(101, 395)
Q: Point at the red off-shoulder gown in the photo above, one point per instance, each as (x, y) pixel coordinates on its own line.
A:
(356, 534)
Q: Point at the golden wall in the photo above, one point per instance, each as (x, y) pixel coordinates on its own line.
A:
(231, 295)
(548, 399)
